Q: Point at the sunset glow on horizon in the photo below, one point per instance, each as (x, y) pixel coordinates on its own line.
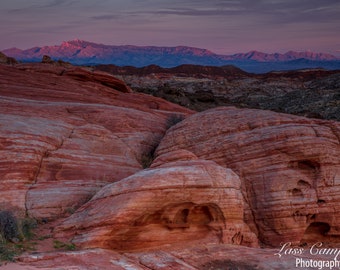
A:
(221, 26)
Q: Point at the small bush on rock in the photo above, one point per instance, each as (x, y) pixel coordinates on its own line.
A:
(174, 119)
(27, 225)
(63, 246)
(147, 158)
(8, 226)
(15, 235)
(7, 253)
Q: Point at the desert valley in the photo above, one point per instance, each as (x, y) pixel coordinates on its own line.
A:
(186, 167)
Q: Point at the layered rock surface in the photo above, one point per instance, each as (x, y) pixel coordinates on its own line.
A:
(175, 203)
(62, 139)
(208, 257)
(290, 167)
(74, 146)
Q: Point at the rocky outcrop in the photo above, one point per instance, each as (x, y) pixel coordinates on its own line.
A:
(289, 165)
(47, 60)
(175, 203)
(312, 93)
(98, 77)
(63, 139)
(197, 71)
(7, 60)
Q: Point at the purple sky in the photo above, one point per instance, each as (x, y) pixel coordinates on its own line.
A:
(222, 26)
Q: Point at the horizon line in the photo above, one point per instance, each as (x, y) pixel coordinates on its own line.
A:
(176, 46)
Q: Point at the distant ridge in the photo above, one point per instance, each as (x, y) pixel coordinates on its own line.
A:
(81, 52)
(182, 70)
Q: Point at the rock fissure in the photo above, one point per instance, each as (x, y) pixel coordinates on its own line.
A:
(252, 211)
(45, 155)
(335, 131)
(35, 179)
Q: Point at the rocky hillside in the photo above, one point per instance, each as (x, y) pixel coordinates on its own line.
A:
(97, 176)
(313, 92)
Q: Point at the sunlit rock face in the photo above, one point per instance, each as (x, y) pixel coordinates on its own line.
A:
(289, 167)
(178, 203)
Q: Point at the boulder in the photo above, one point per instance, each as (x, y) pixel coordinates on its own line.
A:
(7, 60)
(175, 204)
(47, 60)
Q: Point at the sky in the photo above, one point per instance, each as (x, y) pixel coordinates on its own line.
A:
(221, 26)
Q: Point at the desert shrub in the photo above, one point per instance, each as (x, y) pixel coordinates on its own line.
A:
(147, 158)
(174, 119)
(13, 235)
(8, 232)
(63, 246)
(146, 161)
(26, 226)
(7, 253)
(43, 237)
(9, 229)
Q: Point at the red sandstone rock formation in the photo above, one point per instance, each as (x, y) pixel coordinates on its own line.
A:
(214, 256)
(176, 203)
(63, 139)
(73, 141)
(289, 166)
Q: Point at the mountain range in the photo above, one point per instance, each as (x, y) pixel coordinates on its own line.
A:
(87, 53)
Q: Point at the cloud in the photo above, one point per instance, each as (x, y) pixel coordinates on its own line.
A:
(224, 23)
(38, 8)
(105, 17)
(56, 3)
(260, 11)
(198, 11)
